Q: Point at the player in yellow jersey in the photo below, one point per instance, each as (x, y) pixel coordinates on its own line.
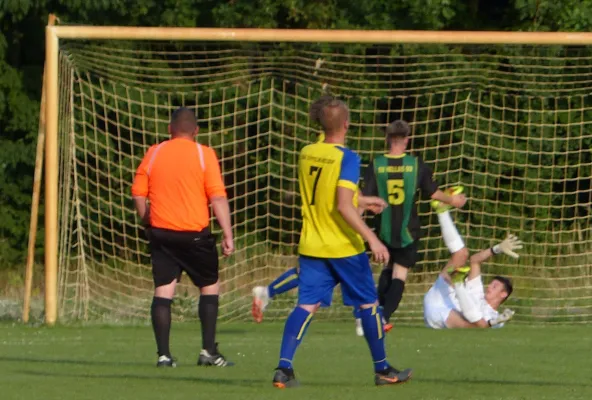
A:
(288, 280)
(331, 248)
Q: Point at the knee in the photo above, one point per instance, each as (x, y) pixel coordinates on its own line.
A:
(213, 289)
(370, 305)
(400, 272)
(311, 308)
(166, 291)
(461, 257)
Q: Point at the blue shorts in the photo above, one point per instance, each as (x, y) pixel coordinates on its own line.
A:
(319, 276)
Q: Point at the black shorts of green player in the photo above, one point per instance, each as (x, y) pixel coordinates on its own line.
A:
(397, 180)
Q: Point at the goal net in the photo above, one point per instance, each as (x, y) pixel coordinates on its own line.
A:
(510, 123)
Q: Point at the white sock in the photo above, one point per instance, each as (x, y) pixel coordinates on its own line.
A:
(469, 309)
(359, 328)
(450, 234)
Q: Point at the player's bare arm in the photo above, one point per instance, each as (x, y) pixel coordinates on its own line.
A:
(222, 212)
(142, 208)
(216, 193)
(457, 200)
(475, 319)
(455, 320)
(476, 260)
(507, 246)
(352, 217)
(373, 204)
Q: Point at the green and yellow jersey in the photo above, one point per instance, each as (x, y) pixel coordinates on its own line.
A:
(396, 179)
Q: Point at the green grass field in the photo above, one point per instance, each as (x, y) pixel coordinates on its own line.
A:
(96, 362)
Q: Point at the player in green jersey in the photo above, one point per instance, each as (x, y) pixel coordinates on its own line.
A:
(397, 177)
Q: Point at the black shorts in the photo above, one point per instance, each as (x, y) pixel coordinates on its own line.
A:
(173, 252)
(405, 256)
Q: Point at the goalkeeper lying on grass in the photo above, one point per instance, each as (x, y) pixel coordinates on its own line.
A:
(457, 299)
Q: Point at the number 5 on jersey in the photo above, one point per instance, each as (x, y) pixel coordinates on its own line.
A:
(396, 194)
(314, 169)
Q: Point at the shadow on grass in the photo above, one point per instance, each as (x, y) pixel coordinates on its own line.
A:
(152, 378)
(222, 330)
(267, 382)
(256, 383)
(247, 382)
(502, 382)
(74, 362)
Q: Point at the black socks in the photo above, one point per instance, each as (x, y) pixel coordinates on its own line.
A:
(393, 297)
(160, 312)
(384, 282)
(208, 315)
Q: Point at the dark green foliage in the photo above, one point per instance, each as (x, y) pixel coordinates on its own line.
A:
(21, 64)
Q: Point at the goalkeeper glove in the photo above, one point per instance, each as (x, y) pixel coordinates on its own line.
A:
(510, 243)
(503, 317)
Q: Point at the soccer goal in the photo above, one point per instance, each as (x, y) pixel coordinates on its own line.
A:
(507, 115)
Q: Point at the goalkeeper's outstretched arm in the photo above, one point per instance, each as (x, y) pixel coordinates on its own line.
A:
(471, 315)
(457, 320)
(507, 246)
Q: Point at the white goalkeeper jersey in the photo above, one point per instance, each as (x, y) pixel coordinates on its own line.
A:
(441, 299)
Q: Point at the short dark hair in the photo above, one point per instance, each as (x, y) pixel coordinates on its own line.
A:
(506, 282)
(329, 112)
(183, 120)
(398, 129)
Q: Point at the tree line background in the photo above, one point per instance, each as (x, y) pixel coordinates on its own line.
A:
(22, 58)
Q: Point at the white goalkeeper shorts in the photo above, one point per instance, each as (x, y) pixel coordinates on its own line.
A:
(435, 315)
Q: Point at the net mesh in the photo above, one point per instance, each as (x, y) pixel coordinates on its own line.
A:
(510, 123)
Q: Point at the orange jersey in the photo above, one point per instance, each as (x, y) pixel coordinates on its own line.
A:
(179, 177)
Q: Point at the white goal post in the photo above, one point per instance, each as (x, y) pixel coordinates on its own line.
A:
(56, 33)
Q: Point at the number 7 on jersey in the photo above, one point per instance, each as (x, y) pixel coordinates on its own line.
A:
(314, 169)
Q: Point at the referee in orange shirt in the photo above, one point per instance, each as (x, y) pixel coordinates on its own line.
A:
(179, 178)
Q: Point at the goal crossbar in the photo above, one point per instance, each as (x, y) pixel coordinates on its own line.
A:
(55, 33)
(318, 35)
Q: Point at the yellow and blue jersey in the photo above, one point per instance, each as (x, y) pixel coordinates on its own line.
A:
(322, 168)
